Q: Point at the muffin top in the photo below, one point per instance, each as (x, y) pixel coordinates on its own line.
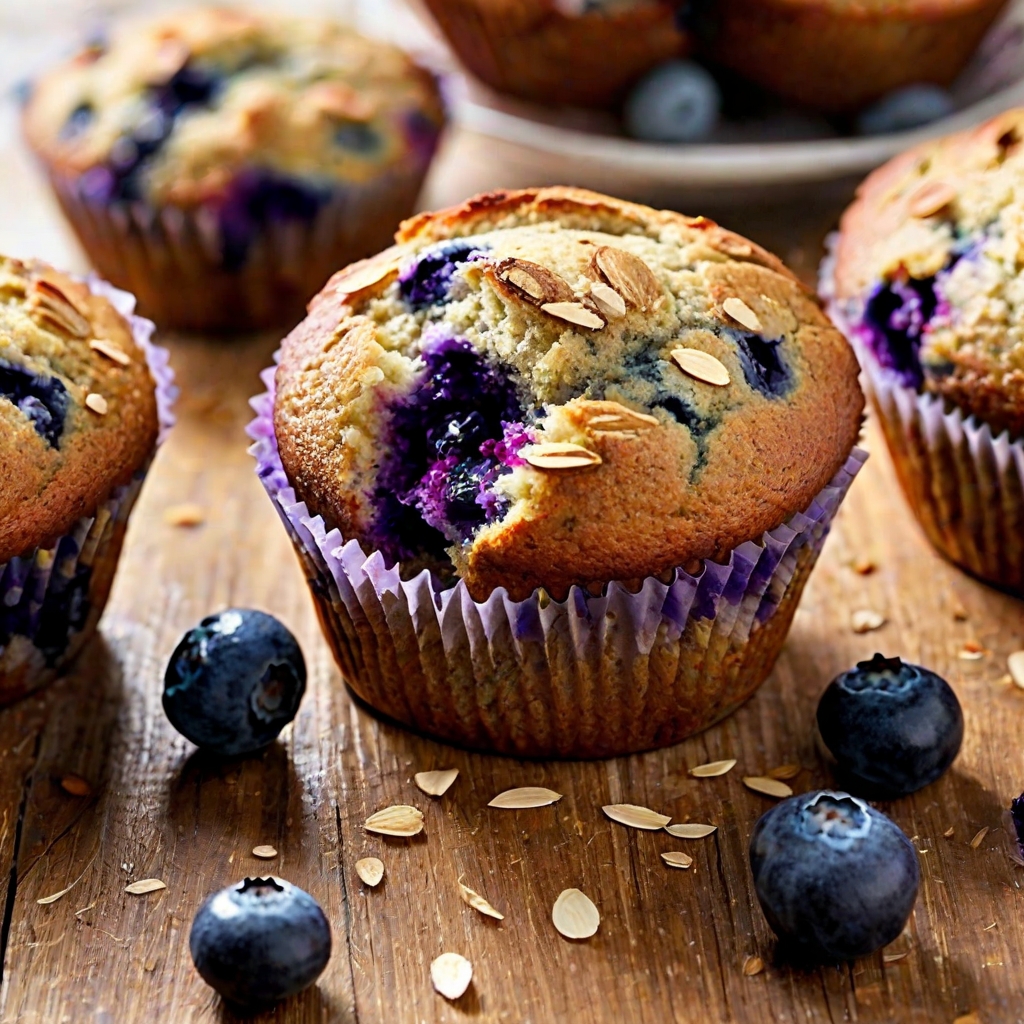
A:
(928, 269)
(77, 403)
(550, 387)
(175, 110)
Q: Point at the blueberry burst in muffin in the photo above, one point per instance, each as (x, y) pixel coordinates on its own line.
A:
(927, 274)
(551, 387)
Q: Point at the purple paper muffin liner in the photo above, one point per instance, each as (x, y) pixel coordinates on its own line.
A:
(590, 676)
(965, 486)
(51, 598)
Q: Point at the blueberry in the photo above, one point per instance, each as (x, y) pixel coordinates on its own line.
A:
(906, 108)
(676, 102)
(259, 941)
(1017, 820)
(44, 400)
(836, 879)
(891, 727)
(234, 682)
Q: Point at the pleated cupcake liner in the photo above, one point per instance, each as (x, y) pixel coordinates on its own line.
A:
(590, 676)
(172, 258)
(964, 485)
(51, 598)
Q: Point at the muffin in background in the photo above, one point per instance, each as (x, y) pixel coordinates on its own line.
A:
(221, 165)
(837, 56)
(926, 282)
(557, 468)
(579, 52)
(84, 401)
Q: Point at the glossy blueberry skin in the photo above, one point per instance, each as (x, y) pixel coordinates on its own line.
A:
(259, 941)
(234, 682)
(892, 727)
(676, 102)
(906, 108)
(836, 879)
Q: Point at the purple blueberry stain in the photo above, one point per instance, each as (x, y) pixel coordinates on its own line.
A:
(764, 368)
(427, 282)
(44, 400)
(896, 317)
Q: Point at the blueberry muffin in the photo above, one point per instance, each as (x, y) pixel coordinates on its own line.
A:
(838, 56)
(222, 164)
(579, 52)
(927, 282)
(83, 398)
(558, 466)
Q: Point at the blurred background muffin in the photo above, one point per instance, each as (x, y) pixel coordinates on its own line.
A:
(222, 164)
(927, 283)
(84, 399)
(572, 412)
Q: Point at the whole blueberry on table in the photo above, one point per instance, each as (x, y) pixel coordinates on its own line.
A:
(260, 941)
(836, 879)
(234, 682)
(892, 727)
(677, 102)
(906, 108)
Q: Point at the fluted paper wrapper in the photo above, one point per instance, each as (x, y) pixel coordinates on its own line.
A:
(51, 598)
(965, 486)
(584, 677)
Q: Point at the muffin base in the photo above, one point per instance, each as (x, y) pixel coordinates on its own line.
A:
(51, 598)
(591, 676)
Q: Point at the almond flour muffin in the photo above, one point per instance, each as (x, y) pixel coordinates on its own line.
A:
(927, 283)
(837, 55)
(223, 164)
(83, 399)
(552, 405)
(580, 52)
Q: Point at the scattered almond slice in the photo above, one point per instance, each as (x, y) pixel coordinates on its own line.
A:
(144, 885)
(186, 514)
(894, 958)
(97, 403)
(47, 900)
(739, 311)
(931, 197)
(753, 965)
(477, 902)
(397, 820)
(110, 350)
(1015, 663)
(634, 816)
(534, 283)
(950, 832)
(769, 787)
(525, 797)
(451, 975)
(574, 313)
(629, 276)
(436, 783)
(619, 417)
(574, 915)
(866, 620)
(712, 769)
(608, 300)
(75, 785)
(979, 838)
(370, 870)
(677, 859)
(702, 366)
(561, 456)
(690, 830)
(264, 852)
(784, 772)
(971, 651)
(361, 277)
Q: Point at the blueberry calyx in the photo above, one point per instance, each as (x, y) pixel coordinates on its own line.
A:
(880, 663)
(836, 819)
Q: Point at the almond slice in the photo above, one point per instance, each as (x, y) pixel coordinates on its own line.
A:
(769, 787)
(1015, 663)
(634, 816)
(49, 306)
(677, 859)
(629, 276)
(690, 830)
(451, 975)
(97, 403)
(398, 820)
(739, 311)
(608, 300)
(574, 915)
(436, 783)
(525, 797)
(363, 275)
(561, 456)
(110, 350)
(144, 885)
(370, 870)
(618, 417)
(75, 785)
(866, 620)
(533, 282)
(930, 198)
(713, 769)
(785, 772)
(701, 365)
(752, 966)
(574, 313)
(264, 852)
(979, 838)
(477, 902)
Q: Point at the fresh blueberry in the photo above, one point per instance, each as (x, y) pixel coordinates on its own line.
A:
(44, 400)
(234, 682)
(836, 879)
(676, 102)
(906, 108)
(259, 941)
(892, 727)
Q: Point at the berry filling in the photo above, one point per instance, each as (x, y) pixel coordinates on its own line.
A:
(450, 440)
(428, 281)
(837, 820)
(895, 318)
(762, 364)
(43, 400)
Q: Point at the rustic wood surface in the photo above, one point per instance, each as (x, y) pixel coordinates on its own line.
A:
(672, 944)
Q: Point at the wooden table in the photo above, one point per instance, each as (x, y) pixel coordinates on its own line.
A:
(672, 944)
